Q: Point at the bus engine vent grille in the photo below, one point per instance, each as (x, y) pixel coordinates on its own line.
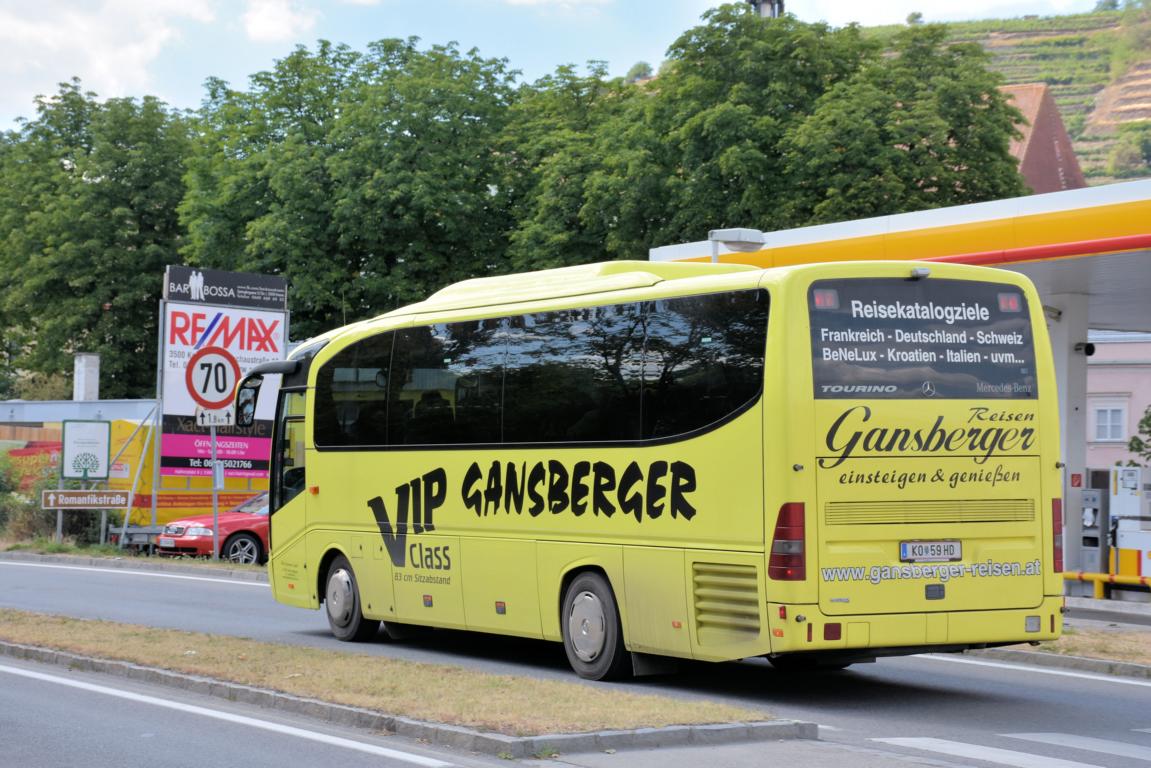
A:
(727, 604)
(913, 512)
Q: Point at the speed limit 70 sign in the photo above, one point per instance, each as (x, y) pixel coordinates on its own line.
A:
(211, 377)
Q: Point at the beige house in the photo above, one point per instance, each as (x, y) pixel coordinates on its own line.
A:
(1118, 394)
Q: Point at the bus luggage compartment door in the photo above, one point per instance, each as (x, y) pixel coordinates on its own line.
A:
(971, 539)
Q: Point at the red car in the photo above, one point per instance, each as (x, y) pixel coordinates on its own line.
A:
(243, 534)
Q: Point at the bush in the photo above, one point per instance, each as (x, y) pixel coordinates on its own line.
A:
(1131, 155)
(22, 519)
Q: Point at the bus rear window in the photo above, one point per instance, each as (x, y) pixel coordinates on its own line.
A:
(898, 338)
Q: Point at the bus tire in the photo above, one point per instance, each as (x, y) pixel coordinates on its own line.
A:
(342, 601)
(593, 638)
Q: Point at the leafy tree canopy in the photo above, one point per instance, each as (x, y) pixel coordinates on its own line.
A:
(370, 179)
(88, 195)
(367, 179)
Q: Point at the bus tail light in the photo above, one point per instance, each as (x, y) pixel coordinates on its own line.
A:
(1057, 534)
(1010, 302)
(788, 559)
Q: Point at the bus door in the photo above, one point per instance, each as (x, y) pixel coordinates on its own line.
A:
(288, 506)
(927, 442)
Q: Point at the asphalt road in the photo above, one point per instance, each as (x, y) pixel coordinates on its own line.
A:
(50, 716)
(947, 709)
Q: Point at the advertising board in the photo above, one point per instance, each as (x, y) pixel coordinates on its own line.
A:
(206, 347)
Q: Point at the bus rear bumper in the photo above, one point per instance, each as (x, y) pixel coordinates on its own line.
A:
(804, 628)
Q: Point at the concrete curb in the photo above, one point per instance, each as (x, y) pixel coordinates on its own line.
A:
(128, 562)
(1129, 607)
(1074, 663)
(434, 733)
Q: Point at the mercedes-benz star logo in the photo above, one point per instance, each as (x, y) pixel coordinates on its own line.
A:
(928, 389)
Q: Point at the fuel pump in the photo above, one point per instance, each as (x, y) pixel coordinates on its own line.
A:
(1095, 507)
(1131, 548)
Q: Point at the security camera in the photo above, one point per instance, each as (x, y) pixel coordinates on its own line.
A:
(1086, 347)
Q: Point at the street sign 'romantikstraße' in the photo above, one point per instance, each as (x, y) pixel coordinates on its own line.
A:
(55, 499)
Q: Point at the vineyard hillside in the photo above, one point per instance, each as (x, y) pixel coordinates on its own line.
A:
(1098, 68)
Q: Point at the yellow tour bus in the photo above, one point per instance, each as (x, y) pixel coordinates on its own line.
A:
(818, 464)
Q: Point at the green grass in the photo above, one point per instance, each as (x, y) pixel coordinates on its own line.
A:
(50, 547)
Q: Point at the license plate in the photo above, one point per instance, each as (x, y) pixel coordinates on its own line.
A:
(930, 551)
(167, 542)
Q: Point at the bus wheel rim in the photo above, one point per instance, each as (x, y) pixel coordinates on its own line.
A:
(340, 599)
(586, 626)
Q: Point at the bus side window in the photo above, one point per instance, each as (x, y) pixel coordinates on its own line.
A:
(351, 395)
(704, 360)
(574, 375)
(433, 368)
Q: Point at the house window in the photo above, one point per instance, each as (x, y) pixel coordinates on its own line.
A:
(1110, 424)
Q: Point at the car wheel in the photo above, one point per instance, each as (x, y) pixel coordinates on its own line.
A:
(593, 639)
(342, 600)
(242, 548)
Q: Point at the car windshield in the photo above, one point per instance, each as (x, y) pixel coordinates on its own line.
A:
(257, 505)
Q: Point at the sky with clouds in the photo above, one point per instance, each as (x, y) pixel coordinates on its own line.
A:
(167, 48)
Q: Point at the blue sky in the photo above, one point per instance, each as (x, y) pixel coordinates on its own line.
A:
(167, 48)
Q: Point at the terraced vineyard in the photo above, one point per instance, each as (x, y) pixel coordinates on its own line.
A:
(1097, 65)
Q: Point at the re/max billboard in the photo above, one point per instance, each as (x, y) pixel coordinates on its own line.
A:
(252, 337)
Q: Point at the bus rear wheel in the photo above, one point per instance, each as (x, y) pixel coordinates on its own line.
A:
(342, 600)
(593, 638)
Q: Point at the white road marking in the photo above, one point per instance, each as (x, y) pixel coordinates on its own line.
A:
(987, 754)
(136, 572)
(1042, 670)
(1088, 743)
(251, 722)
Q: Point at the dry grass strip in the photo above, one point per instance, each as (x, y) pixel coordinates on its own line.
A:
(1113, 645)
(516, 706)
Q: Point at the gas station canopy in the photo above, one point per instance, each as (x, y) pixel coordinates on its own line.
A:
(1094, 242)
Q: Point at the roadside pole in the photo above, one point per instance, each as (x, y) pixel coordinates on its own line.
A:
(215, 495)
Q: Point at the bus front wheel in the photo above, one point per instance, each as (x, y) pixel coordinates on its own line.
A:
(342, 600)
(593, 639)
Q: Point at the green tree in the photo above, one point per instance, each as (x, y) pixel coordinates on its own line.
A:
(88, 196)
(641, 70)
(366, 179)
(417, 179)
(699, 147)
(1140, 442)
(260, 196)
(924, 127)
(769, 123)
(548, 152)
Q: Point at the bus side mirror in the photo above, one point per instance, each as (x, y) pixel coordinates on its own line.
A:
(246, 397)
